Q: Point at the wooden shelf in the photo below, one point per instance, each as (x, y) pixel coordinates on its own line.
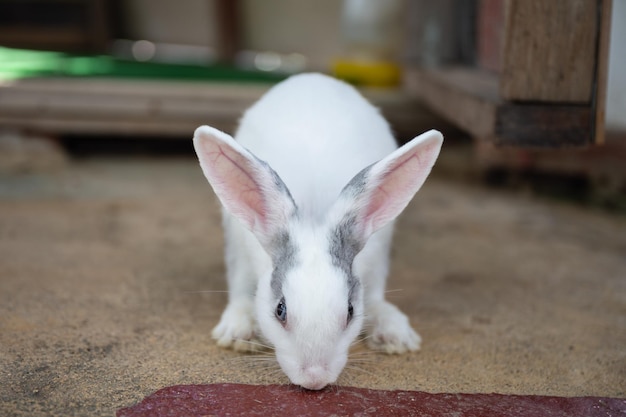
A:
(127, 107)
(470, 98)
(548, 87)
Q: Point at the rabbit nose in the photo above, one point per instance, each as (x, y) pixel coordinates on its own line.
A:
(316, 377)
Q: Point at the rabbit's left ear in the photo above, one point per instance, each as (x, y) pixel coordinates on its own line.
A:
(246, 186)
(379, 193)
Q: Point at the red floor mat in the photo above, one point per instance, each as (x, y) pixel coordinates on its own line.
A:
(283, 400)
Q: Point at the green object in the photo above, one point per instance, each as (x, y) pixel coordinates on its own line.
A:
(20, 63)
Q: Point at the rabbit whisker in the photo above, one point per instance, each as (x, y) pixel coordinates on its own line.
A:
(394, 290)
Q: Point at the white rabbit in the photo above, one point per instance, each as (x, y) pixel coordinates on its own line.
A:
(308, 222)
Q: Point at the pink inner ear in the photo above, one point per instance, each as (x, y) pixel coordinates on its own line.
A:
(232, 177)
(398, 184)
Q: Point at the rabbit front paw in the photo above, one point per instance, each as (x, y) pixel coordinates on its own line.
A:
(236, 328)
(390, 330)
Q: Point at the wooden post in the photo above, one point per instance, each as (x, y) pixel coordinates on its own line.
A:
(98, 31)
(228, 30)
(549, 50)
(550, 90)
(602, 69)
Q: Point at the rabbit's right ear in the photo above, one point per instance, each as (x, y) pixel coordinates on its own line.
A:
(376, 195)
(246, 186)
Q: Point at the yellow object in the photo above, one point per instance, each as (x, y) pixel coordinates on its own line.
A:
(369, 74)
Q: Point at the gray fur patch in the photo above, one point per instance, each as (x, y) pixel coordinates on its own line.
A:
(283, 251)
(280, 184)
(357, 184)
(344, 247)
(283, 258)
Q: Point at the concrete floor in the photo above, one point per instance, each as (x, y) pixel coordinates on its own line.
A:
(111, 275)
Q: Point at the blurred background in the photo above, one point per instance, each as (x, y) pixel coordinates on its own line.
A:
(529, 95)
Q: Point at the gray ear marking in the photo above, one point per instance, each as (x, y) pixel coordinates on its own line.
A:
(284, 258)
(358, 183)
(280, 184)
(344, 246)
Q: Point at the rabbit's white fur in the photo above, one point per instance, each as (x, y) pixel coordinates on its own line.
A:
(318, 241)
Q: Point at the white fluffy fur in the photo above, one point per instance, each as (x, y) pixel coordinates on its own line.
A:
(317, 133)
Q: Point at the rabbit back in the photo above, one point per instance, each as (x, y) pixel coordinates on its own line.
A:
(316, 132)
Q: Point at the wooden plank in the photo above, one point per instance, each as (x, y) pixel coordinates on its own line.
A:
(469, 98)
(112, 106)
(115, 105)
(602, 69)
(545, 126)
(130, 127)
(602, 165)
(142, 88)
(549, 50)
(465, 97)
(490, 34)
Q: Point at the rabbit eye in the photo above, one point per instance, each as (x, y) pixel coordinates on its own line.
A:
(350, 311)
(281, 310)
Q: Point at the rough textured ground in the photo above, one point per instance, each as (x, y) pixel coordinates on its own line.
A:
(109, 267)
